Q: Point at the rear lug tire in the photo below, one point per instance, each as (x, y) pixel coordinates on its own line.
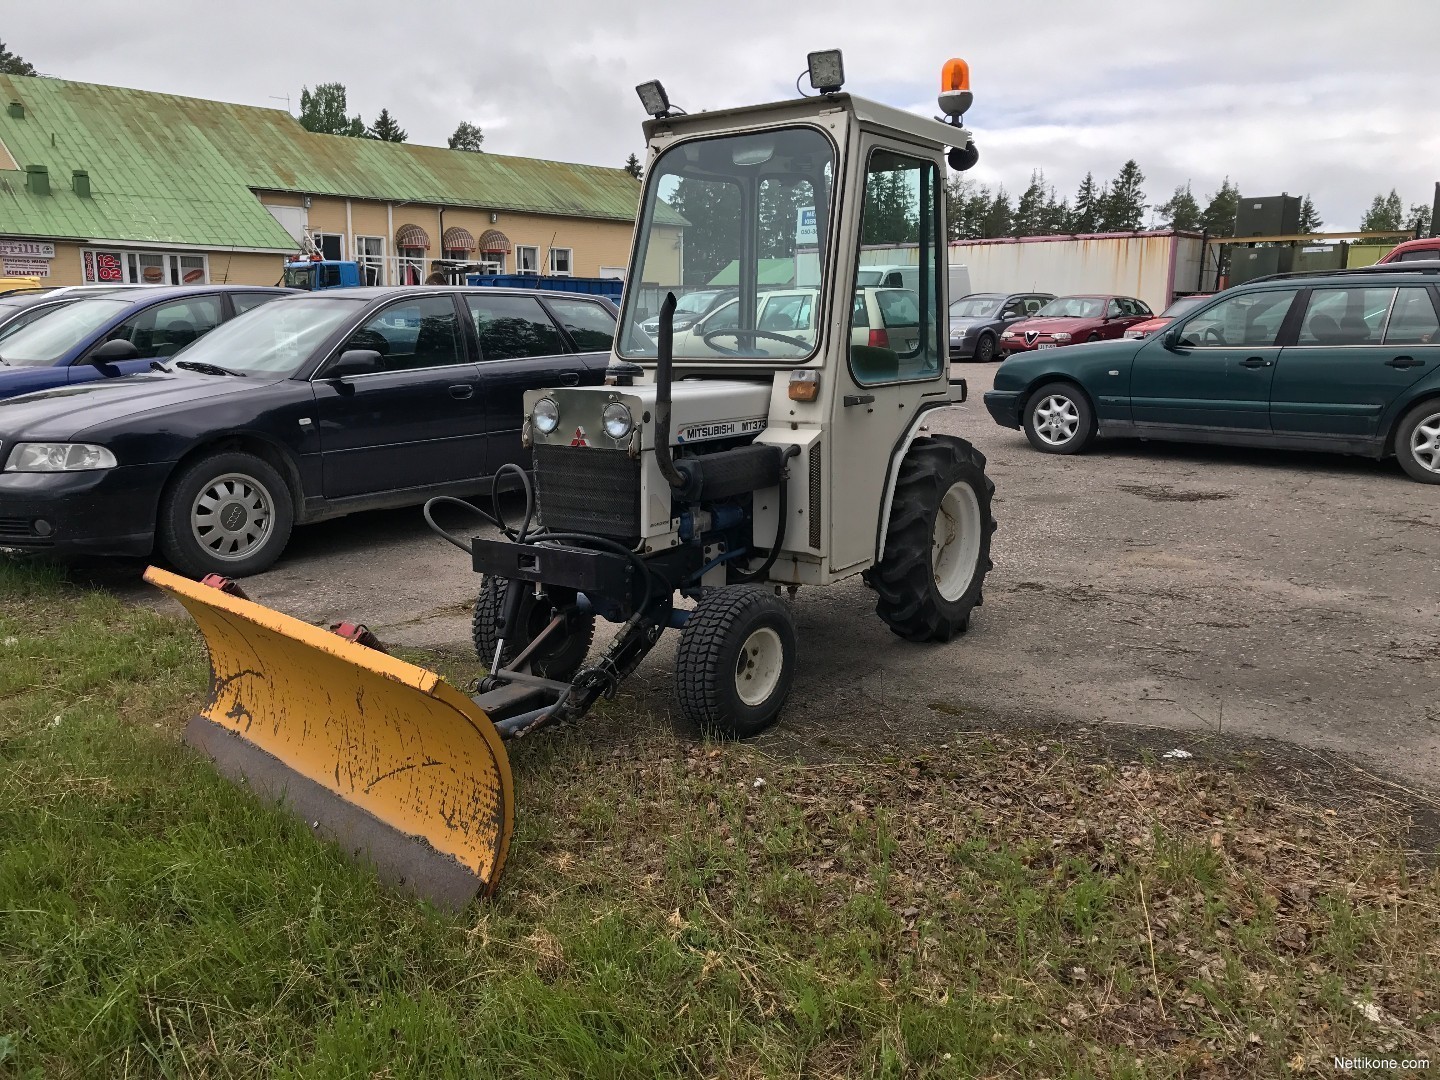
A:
(937, 548)
(736, 661)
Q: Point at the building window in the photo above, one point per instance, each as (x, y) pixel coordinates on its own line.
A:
(330, 245)
(412, 265)
(527, 260)
(370, 254)
(144, 268)
(560, 262)
(613, 272)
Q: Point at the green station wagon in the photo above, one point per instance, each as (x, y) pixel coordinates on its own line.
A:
(1345, 361)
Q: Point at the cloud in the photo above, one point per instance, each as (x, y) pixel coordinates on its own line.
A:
(1316, 97)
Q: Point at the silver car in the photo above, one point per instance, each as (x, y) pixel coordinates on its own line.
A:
(977, 320)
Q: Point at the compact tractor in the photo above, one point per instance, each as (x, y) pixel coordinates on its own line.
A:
(786, 439)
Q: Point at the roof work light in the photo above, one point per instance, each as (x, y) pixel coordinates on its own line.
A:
(653, 97)
(827, 71)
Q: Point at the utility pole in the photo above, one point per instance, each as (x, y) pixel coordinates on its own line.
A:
(1435, 212)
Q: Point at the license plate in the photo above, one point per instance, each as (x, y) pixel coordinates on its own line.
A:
(1046, 345)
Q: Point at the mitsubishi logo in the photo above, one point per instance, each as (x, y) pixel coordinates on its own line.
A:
(579, 439)
(1031, 336)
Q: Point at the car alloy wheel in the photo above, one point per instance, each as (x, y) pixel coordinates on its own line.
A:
(1425, 443)
(985, 349)
(232, 516)
(1056, 420)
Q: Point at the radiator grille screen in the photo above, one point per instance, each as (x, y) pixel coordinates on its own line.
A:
(588, 489)
(815, 507)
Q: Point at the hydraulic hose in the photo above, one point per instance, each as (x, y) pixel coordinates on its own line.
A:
(664, 357)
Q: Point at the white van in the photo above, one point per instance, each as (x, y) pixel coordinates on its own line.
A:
(908, 277)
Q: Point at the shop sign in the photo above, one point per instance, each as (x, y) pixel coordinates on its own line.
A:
(34, 249)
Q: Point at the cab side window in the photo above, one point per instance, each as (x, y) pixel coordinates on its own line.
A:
(1412, 319)
(1251, 319)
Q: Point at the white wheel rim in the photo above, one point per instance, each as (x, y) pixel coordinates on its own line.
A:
(1425, 443)
(232, 517)
(1056, 420)
(758, 667)
(955, 549)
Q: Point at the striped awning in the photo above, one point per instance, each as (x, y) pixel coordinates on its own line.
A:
(493, 241)
(412, 236)
(457, 239)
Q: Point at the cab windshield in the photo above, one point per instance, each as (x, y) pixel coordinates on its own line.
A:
(747, 214)
(300, 277)
(273, 339)
(45, 341)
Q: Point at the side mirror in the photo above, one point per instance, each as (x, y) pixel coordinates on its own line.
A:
(1171, 338)
(114, 351)
(356, 362)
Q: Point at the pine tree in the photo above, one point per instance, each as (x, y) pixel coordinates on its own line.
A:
(1057, 215)
(996, 219)
(1181, 211)
(467, 136)
(13, 64)
(1417, 219)
(386, 129)
(1122, 209)
(711, 211)
(1085, 217)
(1386, 214)
(1219, 216)
(1029, 216)
(325, 112)
(1310, 221)
(632, 166)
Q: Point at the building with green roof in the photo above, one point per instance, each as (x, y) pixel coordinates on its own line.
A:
(102, 183)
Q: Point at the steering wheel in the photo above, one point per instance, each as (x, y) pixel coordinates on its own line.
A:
(799, 343)
(1212, 335)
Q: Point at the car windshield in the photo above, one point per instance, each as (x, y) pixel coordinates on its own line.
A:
(1182, 305)
(1073, 307)
(742, 212)
(976, 307)
(47, 339)
(696, 303)
(275, 338)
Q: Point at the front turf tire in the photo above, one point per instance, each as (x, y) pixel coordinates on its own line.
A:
(937, 549)
(559, 656)
(736, 661)
(228, 513)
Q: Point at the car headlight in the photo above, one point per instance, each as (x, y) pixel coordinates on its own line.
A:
(59, 457)
(545, 415)
(618, 420)
(1059, 337)
(1008, 334)
(1134, 335)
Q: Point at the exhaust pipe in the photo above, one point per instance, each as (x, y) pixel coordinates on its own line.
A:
(663, 378)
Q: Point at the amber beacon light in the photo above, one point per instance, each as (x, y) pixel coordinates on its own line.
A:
(955, 96)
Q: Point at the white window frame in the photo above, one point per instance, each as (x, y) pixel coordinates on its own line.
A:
(569, 270)
(614, 273)
(377, 261)
(319, 236)
(534, 251)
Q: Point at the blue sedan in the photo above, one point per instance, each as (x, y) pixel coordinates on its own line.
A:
(112, 333)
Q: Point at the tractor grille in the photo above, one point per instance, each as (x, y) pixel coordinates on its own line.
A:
(588, 489)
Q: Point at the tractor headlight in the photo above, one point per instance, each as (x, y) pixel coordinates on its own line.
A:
(618, 420)
(545, 415)
(59, 457)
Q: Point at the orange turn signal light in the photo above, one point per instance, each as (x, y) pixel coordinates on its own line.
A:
(804, 384)
(955, 75)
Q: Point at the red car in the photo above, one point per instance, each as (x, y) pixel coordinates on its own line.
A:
(1424, 250)
(1073, 319)
(1178, 307)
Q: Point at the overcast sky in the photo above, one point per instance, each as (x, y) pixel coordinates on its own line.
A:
(1337, 99)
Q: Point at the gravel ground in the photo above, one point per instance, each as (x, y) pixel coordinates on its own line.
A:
(1208, 590)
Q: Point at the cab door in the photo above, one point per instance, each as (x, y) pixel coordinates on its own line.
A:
(879, 389)
(1217, 372)
(1356, 351)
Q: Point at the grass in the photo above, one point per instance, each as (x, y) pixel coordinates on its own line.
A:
(996, 907)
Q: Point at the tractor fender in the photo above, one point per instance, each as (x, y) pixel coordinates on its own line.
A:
(919, 425)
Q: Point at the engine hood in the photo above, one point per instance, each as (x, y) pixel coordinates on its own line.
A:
(702, 410)
(68, 411)
(1073, 327)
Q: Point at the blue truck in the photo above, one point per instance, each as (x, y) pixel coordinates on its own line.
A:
(315, 274)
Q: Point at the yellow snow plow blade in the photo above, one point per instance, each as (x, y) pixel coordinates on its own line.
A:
(385, 758)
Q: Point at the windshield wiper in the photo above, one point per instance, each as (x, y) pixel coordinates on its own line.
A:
(4, 361)
(207, 369)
